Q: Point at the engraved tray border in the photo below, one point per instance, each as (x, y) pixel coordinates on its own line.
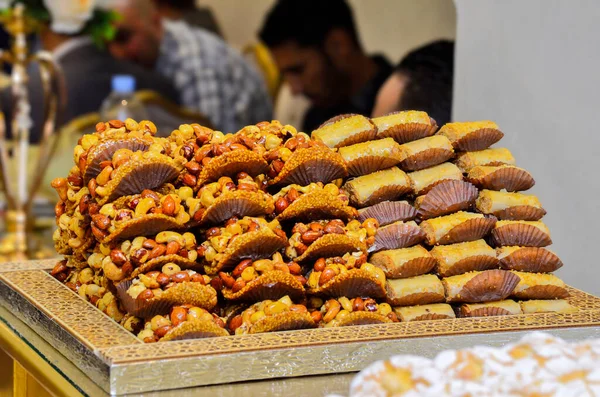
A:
(120, 363)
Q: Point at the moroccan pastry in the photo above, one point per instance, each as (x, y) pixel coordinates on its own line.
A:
(246, 238)
(397, 235)
(419, 290)
(523, 233)
(342, 312)
(495, 156)
(329, 238)
(434, 311)
(348, 275)
(422, 181)
(368, 157)
(461, 258)
(510, 206)
(312, 202)
(424, 153)
(388, 212)
(528, 259)
(184, 322)
(539, 286)
(445, 198)
(157, 291)
(262, 279)
(344, 130)
(405, 126)
(404, 262)
(485, 286)
(498, 308)
(271, 316)
(471, 135)
(128, 258)
(547, 306)
(379, 186)
(457, 228)
(500, 177)
(302, 161)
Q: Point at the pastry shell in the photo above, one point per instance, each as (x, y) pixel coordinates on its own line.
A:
(425, 153)
(344, 130)
(502, 177)
(388, 212)
(193, 293)
(271, 285)
(530, 259)
(539, 286)
(331, 245)
(368, 157)
(405, 126)
(522, 233)
(351, 284)
(232, 163)
(404, 262)
(194, 329)
(547, 306)
(104, 150)
(468, 229)
(486, 286)
(238, 203)
(420, 290)
(434, 311)
(445, 198)
(379, 186)
(317, 205)
(285, 321)
(397, 235)
(362, 318)
(471, 136)
(498, 308)
(308, 165)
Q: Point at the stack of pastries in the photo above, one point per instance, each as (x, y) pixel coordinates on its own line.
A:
(365, 221)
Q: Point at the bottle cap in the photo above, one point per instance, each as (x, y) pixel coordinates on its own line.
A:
(123, 83)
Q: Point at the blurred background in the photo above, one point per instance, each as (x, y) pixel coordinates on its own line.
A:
(529, 66)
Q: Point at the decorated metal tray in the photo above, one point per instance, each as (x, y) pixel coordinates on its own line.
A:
(120, 363)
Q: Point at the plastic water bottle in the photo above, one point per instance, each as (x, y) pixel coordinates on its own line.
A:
(121, 104)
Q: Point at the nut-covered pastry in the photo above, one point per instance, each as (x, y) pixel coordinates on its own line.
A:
(261, 279)
(528, 259)
(472, 135)
(345, 130)
(379, 186)
(510, 206)
(312, 202)
(404, 262)
(486, 286)
(348, 275)
(523, 233)
(547, 306)
(367, 157)
(157, 291)
(246, 238)
(329, 238)
(343, 312)
(270, 316)
(500, 177)
(419, 290)
(461, 258)
(426, 152)
(498, 308)
(539, 286)
(434, 311)
(445, 198)
(457, 228)
(388, 212)
(495, 156)
(405, 126)
(184, 322)
(422, 181)
(302, 161)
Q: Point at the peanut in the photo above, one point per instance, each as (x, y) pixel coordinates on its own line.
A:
(238, 285)
(168, 206)
(332, 307)
(145, 295)
(189, 179)
(326, 276)
(104, 176)
(228, 281)
(281, 204)
(358, 305)
(237, 272)
(118, 257)
(178, 315)
(319, 265)
(310, 236)
(316, 316)
(235, 323)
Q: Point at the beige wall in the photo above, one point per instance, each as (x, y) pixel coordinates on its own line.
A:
(389, 26)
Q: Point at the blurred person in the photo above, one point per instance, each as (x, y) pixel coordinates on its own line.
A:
(422, 81)
(316, 47)
(189, 12)
(211, 77)
(87, 72)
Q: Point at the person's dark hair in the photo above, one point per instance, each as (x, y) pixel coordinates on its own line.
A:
(430, 72)
(307, 22)
(182, 5)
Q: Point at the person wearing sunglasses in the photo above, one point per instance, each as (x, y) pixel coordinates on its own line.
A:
(212, 78)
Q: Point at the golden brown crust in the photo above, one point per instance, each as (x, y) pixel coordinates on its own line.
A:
(232, 163)
(473, 263)
(419, 298)
(147, 225)
(487, 286)
(543, 292)
(238, 203)
(425, 159)
(315, 164)
(520, 234)
(194, 329)
(478, 140)
(282, 322)
(317, 205)
(104, 150)
(397, 235)
(510, 178)
(331, 245)
(388, 212)
(532, 259)
(354, 138)
(411, 268)
(351, 284)
(362, 318)
(268, 286)
(521, 213)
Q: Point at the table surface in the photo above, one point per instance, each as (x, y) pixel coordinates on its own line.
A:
(57, 374)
